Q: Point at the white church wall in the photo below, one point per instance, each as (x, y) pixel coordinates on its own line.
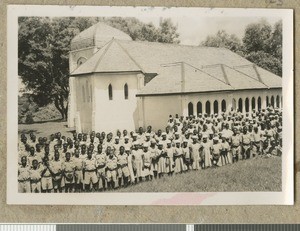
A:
(231, 100)
(83, 85)
(118, 113)
(158, 108)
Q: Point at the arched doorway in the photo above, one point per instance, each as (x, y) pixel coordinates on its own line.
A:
(216, 107)
(190, 109)
(259, 103)
(277, 101)
(223, 105)
(253, 103)
(207, 107)
(240, 105)
(247, 105)
(272, 101)
(199, 108)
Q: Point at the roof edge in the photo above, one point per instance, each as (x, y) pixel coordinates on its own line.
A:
(194, 92)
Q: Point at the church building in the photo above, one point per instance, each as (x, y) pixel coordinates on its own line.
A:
(118, 83)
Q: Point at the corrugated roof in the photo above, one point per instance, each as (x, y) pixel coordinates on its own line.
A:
(150, 55)
(110, 58)
(268, 78)
(232, 71)
(97, 35)
(169, 81)
(236, 79)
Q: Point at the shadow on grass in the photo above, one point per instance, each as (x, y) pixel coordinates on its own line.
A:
(27, 131)
(45, 121)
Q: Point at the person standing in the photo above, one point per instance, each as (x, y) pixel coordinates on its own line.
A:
(24, 176)
(111, 169)
(90, 172)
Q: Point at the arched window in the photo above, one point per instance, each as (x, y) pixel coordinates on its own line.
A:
(216, 107)
(233, 104)
(259, 103)
(83, 94)
(199, 108)
(110, 92)
(126, 91)
(207, 107)
(268, 102)
(223, 105)
(277, 101)
(240, 105)
(247, 105)
(190, 109)
(272, 101)
(253, 103)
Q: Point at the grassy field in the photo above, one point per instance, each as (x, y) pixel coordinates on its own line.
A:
(260, 174)
(46, 128)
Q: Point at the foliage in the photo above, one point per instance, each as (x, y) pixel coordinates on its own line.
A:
(44, 45)
(26, 107)
(223, 39)
(137, 30)
(261, 44)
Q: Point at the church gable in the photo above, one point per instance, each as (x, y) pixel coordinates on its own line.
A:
(110, 58)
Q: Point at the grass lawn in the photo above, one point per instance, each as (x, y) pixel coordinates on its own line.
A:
(46, 128)
(260, 174)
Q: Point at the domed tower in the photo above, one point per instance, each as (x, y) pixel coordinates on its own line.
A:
(104, 80)
(89, 41)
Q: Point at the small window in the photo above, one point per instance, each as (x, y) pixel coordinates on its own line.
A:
(110, 92)
(80, 61)
(126, 91)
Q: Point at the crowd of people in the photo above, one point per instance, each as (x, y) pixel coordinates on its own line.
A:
(99, 161)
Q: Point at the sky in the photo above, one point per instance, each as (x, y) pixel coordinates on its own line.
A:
(193, 31)
(194, 23)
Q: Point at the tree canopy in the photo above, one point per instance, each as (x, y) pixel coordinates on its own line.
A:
(261, 44)
(44, 45)
(223, 39)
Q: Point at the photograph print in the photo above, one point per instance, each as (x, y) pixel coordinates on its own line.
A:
(154, 102)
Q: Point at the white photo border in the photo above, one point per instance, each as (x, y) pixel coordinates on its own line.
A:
(286, 196)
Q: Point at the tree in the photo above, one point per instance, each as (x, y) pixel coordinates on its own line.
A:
(137, 30)
(44, 45)
(263, 45)
(266, 61)
(167, 32)
(223, 39)
(257, 37)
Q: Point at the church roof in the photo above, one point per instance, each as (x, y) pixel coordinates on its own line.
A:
(206, 68)
(169, 81)
(97, 35)
(110, 58)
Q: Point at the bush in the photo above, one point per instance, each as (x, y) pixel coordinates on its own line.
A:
(29, 118)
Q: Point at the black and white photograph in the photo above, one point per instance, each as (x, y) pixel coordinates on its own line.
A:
(150, 105)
